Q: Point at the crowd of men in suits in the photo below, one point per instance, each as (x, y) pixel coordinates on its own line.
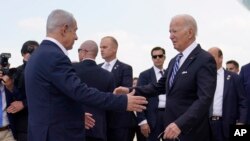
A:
(51, 98)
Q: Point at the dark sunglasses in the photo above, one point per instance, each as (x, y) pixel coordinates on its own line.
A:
(155, 56)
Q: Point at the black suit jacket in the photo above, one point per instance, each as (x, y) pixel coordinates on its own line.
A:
(55, 96)
(234, 108)
(10, 97)
(245, 77)
(21, 117)
(123, 75)
(94, 76)
(146, 77)
(189, 99)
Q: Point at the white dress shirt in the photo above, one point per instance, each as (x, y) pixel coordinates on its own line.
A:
(218, 96)
(186, 52)
(110, 64)
(162, 97)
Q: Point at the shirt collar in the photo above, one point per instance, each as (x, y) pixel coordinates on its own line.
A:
(57, 43)
(189, 49)
(157, 70)
(111, 63)
(220, 70)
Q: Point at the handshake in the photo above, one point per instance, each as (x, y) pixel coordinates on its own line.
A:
(135, 103)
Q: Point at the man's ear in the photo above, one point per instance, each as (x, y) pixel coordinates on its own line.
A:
(64, 29)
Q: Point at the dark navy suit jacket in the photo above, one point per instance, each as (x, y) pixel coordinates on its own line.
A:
(123, 77)
(55, 95)
(10, 97)
(145, 78)
(189, 99)
(234, 108)
(94, 76)
(245, 77)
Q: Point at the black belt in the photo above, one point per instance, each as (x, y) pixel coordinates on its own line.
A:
(161, 109)
(215, 117)
(4, 128)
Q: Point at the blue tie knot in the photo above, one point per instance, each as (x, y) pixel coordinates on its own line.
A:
(179, 56)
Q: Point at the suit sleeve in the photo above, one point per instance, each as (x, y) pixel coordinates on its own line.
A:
(142, 80)
(152, 89)
(64, 78)
(241, 100)
(127, 77)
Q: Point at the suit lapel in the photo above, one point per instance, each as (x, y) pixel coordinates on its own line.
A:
(116, 66)
(185, 65)
(152, 75)
(227, 81)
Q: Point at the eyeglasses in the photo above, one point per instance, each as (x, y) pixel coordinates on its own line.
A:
(160, 136)
(79, 50)
(160, 56)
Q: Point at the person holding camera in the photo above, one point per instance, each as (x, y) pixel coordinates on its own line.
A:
(21, 112)
(7, 95)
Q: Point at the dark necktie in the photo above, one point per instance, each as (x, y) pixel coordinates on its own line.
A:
(175, 69)
(161, 72)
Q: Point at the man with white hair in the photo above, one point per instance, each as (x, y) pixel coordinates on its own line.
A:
(55, 94)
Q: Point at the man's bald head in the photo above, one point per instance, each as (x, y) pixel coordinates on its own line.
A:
(88, 49)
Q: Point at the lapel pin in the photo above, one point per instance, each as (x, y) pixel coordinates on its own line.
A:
(228, 77)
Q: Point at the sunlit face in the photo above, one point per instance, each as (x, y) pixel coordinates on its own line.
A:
(158, 58)
(231, 67)
(108, 49)
(179, 34)
(70, 36)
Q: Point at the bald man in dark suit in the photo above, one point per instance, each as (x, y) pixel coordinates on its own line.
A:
(93, 75)
(229, 105)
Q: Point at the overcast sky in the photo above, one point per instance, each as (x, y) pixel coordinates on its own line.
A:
(138, 25)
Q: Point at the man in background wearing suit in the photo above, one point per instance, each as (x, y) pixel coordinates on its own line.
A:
(151, 121)
(121, 125)
(245, 77)
(189, 84)
(229, 106)
(94, 76)
(232, 66)
(55, 94)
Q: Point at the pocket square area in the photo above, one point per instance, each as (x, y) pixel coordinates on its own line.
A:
(184, 72)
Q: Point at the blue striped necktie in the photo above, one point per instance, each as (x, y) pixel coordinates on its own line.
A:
(175, 69)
